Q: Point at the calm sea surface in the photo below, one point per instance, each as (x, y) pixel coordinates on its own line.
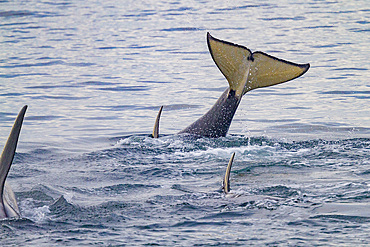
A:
(94, 74)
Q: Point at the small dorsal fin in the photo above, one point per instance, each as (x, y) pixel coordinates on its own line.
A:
(226, 182)
(8, 153)
(156, 124)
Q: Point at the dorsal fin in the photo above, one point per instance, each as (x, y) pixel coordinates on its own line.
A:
(226, 182)
(267, 71)
(156, 124)
(233, 60)
(8, 153)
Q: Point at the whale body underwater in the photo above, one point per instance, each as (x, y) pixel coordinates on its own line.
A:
(244, 72)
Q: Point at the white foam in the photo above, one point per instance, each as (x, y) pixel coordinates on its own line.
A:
(36, 214)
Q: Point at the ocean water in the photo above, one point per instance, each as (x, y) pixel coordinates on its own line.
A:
(94, 74)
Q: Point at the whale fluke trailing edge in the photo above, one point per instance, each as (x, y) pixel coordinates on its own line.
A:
(8, 203)
(244, 71)
(155, 133)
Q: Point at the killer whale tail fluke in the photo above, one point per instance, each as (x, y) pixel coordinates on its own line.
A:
(267, 70)
(8, 209)
(246, 71)
(155, 133)
(226, 182)
(233, 60)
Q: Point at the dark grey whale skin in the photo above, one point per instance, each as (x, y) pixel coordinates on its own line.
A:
(216, 122)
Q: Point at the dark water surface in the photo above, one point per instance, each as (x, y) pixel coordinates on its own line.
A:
(94, 75)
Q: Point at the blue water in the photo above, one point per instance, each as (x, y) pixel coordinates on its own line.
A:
(94, 75)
